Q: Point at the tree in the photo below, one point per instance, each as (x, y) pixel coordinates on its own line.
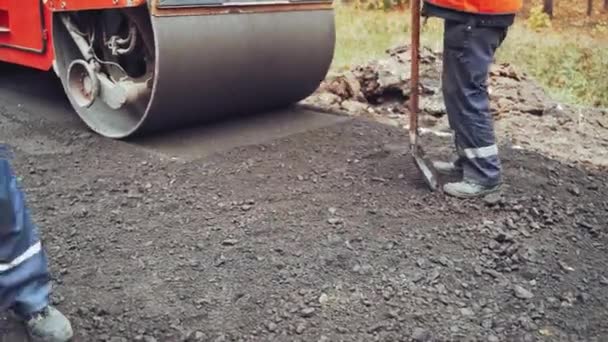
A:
(605, 5)
(589, 7)
(548, 7)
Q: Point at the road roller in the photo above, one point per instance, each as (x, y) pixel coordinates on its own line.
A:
(133, 67)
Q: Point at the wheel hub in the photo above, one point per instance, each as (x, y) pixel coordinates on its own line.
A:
(83, 83)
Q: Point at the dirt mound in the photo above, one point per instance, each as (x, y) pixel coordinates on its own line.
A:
(526, 116)
(384, 84)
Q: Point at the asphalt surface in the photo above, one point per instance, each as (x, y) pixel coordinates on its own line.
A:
(299, 226)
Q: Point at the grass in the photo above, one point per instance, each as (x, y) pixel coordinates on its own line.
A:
(571, 67)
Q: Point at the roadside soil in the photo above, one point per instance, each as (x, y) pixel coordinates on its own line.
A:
(328, 235)
(525, 116)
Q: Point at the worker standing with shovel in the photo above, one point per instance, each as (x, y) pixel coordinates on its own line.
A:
(473, 30)
(24, 276)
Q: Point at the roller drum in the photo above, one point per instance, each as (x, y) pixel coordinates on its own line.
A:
(237, 63)
(209, 67)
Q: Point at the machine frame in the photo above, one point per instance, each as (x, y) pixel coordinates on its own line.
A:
(26, 26)
(138, 66)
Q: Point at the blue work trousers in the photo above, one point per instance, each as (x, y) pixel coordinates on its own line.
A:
(24, 276)
(469, 49)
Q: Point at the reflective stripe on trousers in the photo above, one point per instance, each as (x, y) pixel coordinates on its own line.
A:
(468, 53)
(24, 277)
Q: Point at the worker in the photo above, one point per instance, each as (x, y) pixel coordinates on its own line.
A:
(24, 275)
(473, 30)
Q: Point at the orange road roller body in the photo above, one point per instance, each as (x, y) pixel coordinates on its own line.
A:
(131, 67)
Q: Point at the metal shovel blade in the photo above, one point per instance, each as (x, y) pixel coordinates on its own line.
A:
(428, 173)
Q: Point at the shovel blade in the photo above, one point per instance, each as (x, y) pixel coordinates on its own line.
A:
(428, 173)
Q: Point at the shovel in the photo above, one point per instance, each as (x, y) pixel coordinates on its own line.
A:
(429, 174)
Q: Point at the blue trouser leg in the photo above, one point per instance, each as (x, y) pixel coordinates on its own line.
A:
(24, 276)
(468, 53)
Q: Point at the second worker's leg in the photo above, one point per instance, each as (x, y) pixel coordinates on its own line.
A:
(24, 276)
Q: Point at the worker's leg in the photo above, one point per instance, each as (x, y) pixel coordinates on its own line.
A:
(24, 276)
(468, 53)
(453, 165)
(453, 113)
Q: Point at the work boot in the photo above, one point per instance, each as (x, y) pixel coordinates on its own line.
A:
(447, 167)
(467, 189)
(49, 325)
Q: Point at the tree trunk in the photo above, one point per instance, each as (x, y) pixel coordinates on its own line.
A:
(548, 7)
(606, 5)
(589, 7)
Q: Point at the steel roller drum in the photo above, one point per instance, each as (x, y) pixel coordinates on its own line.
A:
(217, 65)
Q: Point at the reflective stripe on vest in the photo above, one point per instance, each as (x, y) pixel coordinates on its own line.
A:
(481, 6)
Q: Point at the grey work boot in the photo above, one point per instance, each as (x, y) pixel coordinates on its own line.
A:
(465, 189)
(49, 325)
(447, 167)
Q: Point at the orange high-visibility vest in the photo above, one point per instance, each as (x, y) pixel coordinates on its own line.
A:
(481, 6)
